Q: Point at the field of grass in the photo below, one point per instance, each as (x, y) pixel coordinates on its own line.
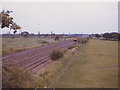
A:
(96, 66)
(13, 45)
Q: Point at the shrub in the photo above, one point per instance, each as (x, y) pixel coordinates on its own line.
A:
(70, 47)
(15, 78)
(65, 50)
(82, 40)
(57, 38)
(19, 50)
(25, 34)
(56, 54)
(44, 42)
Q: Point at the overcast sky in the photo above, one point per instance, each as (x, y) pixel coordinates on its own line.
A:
(64, 17)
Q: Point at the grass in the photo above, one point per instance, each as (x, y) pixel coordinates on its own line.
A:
(13, 45)
(54, 69)
(88, 70)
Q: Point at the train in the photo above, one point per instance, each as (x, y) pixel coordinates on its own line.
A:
(75, 39)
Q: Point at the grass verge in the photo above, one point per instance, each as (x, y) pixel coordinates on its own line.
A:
(54, 69)
(94, 67)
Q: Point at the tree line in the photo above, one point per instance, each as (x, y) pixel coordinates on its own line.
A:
(7, 21)
(109, 36)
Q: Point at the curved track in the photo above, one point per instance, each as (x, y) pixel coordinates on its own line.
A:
(32, 59)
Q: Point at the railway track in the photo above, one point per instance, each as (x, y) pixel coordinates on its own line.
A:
(29, 52)
(34, 58)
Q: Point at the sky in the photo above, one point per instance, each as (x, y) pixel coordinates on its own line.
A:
(64, 17)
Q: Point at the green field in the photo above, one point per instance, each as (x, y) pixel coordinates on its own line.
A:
(17, 44)
(96, 66)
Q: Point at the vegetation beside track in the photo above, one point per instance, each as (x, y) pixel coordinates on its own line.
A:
(18, 78)
(56, 54)
(48, 74)
(15, 78)
(42, 78)
(95, 67)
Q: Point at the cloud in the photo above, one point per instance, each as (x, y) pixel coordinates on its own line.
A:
(65, 17)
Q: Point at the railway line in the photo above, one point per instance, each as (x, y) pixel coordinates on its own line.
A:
(29, 52)
(34, 58)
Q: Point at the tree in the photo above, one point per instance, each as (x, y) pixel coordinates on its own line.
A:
(25, 34)
(7, 21)
(38, 34)
(57, 37)
(106, 35)
(32, 34)
(97, 35)
(119, 37)
(114, 35)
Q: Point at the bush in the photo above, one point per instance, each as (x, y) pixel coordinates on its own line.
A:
(56, 54)
(82, 40)
(57, 38)
(25, 34)
(45, 42)
(19, 50)
(70, 47)
(15, 78)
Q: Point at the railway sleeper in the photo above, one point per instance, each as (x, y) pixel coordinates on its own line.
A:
(39, 64)
(35, 62)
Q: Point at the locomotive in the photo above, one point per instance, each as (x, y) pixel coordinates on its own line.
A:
(75, 39)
